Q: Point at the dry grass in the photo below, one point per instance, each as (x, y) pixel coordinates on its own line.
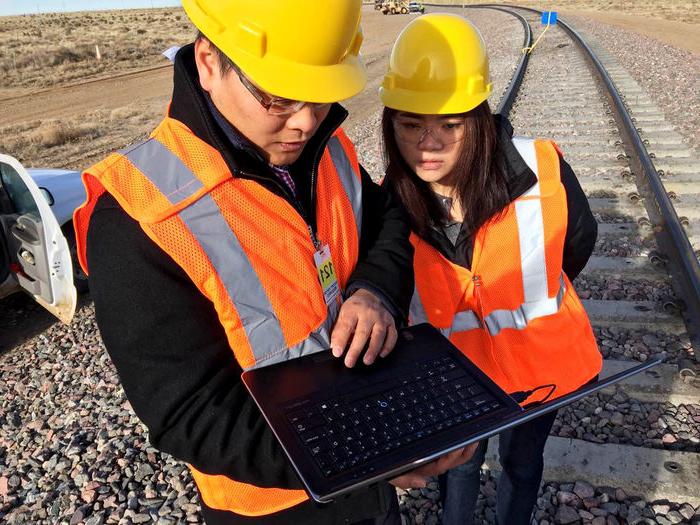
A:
(40, 51)
(54, 133)
(53, 49)
(81, 141)
(677, 10)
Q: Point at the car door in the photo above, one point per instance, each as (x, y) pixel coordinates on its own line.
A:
(38, 253)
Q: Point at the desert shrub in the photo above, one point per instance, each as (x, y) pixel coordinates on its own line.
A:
(63, 54)
(54, 56)
(54, 133)
(123, 113)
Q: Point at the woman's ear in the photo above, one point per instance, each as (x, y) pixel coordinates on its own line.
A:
(207, 63)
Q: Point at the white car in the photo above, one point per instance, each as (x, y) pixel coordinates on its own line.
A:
(37, 241)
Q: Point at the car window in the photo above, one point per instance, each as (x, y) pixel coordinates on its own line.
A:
(20, 197)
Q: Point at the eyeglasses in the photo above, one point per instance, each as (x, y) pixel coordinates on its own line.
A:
(272, 104)
(413, 132)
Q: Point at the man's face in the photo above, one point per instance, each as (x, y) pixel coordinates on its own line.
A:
(280, 138)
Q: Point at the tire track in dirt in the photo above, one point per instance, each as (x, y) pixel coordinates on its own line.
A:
(108, 93)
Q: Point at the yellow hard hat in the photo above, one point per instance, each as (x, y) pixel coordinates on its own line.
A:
(297, 49)
(438, 66)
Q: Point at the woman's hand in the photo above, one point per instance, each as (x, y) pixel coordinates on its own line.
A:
(418, 478)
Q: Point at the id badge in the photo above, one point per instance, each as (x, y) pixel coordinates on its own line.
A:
(326, 274)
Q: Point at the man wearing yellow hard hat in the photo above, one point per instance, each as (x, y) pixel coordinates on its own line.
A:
(204, 245)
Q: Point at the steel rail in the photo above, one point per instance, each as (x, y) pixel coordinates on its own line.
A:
(685, 266)
(505, 104)
(511, 93)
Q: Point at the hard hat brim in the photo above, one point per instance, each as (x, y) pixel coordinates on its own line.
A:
(308, 83)
(431, 103)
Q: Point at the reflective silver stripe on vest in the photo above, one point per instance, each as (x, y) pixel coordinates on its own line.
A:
(227, 256)
(416, 310)
(465, 320)
(349, 179)
(318, 340)
(521, 317)
(177, 181)
(496, 320)
(417, 313)
(528, 213)
(526, 149)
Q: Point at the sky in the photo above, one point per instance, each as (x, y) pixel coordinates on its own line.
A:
(20, 7)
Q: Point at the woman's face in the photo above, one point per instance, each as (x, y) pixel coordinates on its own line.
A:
(430, 145)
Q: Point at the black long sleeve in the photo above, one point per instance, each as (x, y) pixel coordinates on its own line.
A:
(173, 357)
(582, 228)
(386, 255)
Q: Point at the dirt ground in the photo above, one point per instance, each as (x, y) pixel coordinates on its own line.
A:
(63, 121)
(682, 35)
(107, 104)
(648, 11)
(676, 22)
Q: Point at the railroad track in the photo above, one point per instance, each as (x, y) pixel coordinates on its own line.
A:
(641, 288)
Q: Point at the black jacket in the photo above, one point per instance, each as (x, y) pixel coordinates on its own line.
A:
(582, 228)
(168, 346)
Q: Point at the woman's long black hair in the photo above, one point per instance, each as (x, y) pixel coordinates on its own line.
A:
(480, 180)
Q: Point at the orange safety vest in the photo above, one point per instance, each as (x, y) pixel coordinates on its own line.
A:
(245, 248)
(515, 314)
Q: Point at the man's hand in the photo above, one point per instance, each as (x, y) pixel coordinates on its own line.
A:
(363, 321)
(418, 478)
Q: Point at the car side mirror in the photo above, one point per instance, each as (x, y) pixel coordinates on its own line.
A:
(47, 195)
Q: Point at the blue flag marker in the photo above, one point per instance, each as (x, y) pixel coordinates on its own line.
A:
(549, 17)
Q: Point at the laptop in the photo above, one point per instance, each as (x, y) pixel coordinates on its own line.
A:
(346, 428)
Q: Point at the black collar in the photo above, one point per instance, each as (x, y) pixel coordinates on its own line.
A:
(519, 177)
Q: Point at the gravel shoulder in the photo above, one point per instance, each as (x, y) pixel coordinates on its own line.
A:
(667, 70)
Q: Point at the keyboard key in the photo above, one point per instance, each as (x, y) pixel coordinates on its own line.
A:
(313, 436)
(320, 447)
(308, 423)
(475, 390)
(481, 400)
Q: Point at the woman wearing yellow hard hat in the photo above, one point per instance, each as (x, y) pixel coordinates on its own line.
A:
(500, 229)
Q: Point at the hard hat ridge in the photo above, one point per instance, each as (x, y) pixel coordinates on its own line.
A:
(294, 49)
(438, 65)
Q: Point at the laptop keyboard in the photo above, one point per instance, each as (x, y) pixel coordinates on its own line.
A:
(419, 401)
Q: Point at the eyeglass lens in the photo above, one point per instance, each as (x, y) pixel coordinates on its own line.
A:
(447, 132)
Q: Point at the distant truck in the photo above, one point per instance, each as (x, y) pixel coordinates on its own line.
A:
(378, 4)
(416, 7)
(395, 7)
